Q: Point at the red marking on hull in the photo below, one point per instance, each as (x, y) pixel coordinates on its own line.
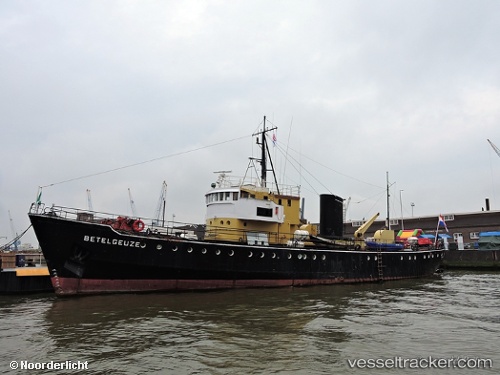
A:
(73, 286)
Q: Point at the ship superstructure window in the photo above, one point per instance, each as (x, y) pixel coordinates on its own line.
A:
(289, 203)
(267, 212)
(474, 235)
(226, 196)
(244, 194)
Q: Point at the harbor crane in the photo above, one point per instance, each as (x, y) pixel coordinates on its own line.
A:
(132, 204)
(89, 200)
(14, 233)
(346, 207)
(497, 150)
(160, 210)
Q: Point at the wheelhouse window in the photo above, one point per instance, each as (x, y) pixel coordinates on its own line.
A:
(266, 212)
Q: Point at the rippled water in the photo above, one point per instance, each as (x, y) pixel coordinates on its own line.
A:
(313, 330)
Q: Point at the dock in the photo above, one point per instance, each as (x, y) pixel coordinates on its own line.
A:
(472, 259)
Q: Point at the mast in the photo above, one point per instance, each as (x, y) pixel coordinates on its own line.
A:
(263, 159)
(265, 152)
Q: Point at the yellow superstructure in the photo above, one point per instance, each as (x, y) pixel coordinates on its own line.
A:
(253, 215)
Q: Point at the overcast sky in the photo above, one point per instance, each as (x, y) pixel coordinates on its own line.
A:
(173, 90)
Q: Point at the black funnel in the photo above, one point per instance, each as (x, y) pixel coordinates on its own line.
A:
(331, 215)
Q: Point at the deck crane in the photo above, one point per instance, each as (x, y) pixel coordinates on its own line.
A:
(132, 204)
(497, 150)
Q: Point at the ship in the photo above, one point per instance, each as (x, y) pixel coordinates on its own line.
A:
(255, 235)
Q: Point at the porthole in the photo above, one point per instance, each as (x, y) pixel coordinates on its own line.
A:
(375, 258)
(299, 256)
(305, 256)
(323, 257)
(273, 256)
(401, 257)
(159, 247)
(231, 253)
(203, 251)
(289, 256)
(314, 256)
(174, 249)
(415, 257)
(228, 222)
(217, 252)
(368, 257)
(190, 250)
(262, 255)
(221, 222)
(250, 254)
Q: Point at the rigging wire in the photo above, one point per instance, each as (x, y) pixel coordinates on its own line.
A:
(144, 162)
(335, 171)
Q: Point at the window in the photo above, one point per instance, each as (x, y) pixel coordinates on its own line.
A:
(393, 221)
(357, 223)
(474, 235)
(235, 196)
(267, 212)
(456, 236)
(289, 203)
(449, 218)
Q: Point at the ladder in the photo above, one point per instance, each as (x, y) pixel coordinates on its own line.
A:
(380, 266)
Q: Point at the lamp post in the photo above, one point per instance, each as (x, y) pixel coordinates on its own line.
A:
(401, 203)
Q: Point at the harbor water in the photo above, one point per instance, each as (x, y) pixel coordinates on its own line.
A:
(446, 324)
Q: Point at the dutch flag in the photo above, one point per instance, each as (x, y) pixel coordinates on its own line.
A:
(441, 222)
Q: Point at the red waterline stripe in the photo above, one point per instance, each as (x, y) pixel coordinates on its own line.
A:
(71, 286)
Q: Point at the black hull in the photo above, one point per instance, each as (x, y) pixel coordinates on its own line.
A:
(91, 258)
